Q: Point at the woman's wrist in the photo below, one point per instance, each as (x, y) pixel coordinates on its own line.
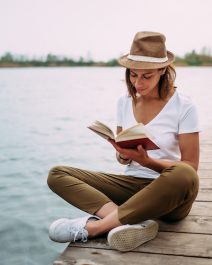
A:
(123, 158)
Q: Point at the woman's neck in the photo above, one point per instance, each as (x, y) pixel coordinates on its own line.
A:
(154, 96)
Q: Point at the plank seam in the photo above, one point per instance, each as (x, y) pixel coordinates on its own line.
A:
(146, 252)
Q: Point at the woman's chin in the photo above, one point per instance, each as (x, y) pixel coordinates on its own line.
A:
(143, 91)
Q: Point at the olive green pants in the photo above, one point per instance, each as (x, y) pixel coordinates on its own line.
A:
(169, 197)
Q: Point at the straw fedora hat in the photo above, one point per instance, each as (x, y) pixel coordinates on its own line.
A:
(148, 51)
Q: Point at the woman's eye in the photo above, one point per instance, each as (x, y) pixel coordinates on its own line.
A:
(147, 77)
(132, 75)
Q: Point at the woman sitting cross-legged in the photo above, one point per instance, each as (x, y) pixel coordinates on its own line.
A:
(156, 184)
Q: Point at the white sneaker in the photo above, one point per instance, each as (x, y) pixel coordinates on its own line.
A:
(127, 237)
(70, 230)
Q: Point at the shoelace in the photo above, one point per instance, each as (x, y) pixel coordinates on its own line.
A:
(78, 234)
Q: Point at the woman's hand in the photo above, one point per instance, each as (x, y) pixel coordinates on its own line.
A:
(139, 155)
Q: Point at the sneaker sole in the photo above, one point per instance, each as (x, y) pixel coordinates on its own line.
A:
(129, 238)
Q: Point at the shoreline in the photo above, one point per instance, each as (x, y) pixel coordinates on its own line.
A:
(94, 65)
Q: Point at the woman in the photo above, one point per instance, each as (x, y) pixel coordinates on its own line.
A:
(157, 184)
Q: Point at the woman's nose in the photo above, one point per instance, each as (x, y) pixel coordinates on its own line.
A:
(139, 81)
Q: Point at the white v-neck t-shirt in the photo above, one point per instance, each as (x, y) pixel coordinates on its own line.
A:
(178, 116)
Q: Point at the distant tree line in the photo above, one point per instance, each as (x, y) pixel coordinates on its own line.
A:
(10, 60)
(204, 58)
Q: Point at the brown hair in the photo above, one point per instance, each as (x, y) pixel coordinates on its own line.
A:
(166, 83)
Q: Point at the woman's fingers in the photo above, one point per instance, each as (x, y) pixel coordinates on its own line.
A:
(131, 153)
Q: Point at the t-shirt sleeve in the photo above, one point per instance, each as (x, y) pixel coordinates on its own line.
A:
(119, 111)
(188, 122)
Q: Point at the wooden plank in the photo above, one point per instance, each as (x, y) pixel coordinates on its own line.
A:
(204, 195)
(205, 192)
(205, 173)
(191, 224)
(185, 244)
(87, 256)
(205, 149)
(205, 182)
(201, 208)
(205, 142)
(205, 166)
(206, 158)
(168, 243)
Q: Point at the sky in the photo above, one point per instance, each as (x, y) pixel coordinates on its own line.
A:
(101, 29)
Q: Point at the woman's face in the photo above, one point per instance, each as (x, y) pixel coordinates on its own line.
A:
(146, 81)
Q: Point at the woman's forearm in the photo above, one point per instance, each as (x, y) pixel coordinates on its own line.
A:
(159, 165)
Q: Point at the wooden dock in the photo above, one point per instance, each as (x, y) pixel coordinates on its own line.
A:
(188, 242)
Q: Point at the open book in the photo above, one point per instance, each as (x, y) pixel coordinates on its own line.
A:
(129, 138)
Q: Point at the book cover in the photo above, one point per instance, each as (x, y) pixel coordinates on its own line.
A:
(129, 138)
(146, 143)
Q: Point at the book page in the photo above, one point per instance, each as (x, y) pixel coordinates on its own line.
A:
(102, 129)
(137, 131)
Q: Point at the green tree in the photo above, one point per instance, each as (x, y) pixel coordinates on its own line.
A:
(7, 58)
(193, 58)
(112, 62)
(51, 58)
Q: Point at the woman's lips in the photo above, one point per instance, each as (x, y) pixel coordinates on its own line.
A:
(140, 88)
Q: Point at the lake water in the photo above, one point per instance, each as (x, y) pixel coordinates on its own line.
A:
(43, 117)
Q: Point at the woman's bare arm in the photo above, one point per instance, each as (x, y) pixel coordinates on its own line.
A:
(189, 148)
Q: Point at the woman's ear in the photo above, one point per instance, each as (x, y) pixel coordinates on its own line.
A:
(162, 71)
